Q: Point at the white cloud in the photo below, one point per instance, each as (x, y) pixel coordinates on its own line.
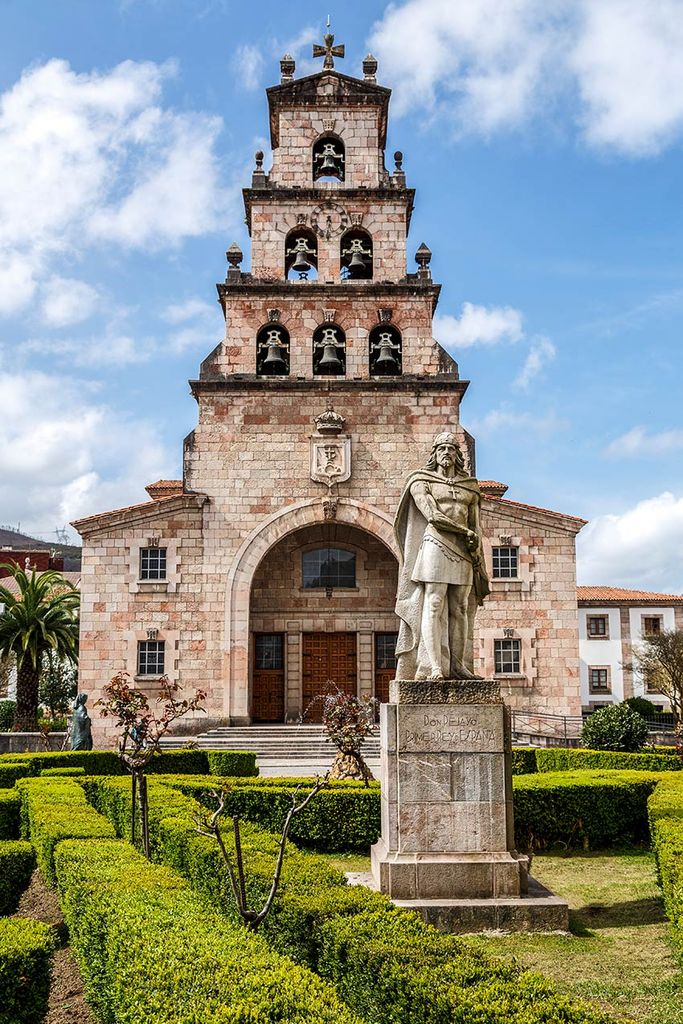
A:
(641, 547)
(111, 350)
(638, 442)
(485, 66)
(89, 158)
(628, 64)
(248, 66)
(541, 353)
(179, 312)
(63, 454)
(66, 302)
(478, 325)
(522, 422)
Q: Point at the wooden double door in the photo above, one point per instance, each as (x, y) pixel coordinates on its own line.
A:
(326, 658)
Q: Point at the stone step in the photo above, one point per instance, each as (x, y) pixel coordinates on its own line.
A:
(298, 743)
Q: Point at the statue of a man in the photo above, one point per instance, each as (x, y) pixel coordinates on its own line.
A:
(81, 731)
(442, 577)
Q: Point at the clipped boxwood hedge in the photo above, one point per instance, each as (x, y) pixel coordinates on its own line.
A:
(62, 772)
(10, 771)
(10, 803)
(386, 963)
(524, 760)
(231, 763)
(581, 808)
(561, 759)
(55, 809)
(106, 762)
(26, 949)
(152, 950)
(17, 862)
(665, 811)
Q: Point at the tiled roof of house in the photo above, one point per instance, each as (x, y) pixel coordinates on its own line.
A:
(495, 491)
(10, 584)
(622, 595)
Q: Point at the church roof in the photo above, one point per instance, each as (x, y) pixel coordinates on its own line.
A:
(620, 595)
(493, 491)
(143, 510)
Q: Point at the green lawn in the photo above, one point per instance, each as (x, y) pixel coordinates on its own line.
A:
(619, 954)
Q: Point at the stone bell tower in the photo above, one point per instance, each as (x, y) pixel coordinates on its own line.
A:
(324, 392)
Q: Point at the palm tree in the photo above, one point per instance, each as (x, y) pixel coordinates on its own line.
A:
(42, 618)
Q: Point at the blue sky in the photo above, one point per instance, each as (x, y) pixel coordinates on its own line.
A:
(544, 141)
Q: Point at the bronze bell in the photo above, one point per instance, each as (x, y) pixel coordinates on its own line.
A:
(328, 165)
(274, 363)
(356, 265)
(386, 361)
(301, 264)
(330, 362)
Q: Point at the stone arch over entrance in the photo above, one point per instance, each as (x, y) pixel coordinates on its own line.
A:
(253, 550)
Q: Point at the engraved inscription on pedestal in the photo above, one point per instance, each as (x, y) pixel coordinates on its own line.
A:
(425, 727)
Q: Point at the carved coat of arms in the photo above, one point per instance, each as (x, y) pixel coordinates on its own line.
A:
(330, 452)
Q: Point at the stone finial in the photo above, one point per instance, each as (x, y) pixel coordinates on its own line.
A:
(370, 68)
(423, 258)
(329, 422)
(234, 255)
(259, 178)
(399, 175)
(398, 159)
(287, 68)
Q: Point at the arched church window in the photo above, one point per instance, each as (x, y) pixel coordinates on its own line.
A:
(328, 567)
(329, 350)
(301, 255)
(328, 158)
(355, 255)
(385, 351)
(272, 351)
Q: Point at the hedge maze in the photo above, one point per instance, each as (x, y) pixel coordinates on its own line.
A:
(161, 941)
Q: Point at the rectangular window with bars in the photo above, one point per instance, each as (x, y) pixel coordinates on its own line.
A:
(507, 656)
(152, 563)
(598, 680)
(597, 627)
(385, 650)
(269, 651)
(505, 562)
(151, 657)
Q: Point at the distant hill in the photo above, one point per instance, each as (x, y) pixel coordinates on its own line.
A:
(71, 553)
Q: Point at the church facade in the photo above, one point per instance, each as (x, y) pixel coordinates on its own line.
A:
(271, 568)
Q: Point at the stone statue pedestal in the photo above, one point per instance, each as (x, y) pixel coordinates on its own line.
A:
(447, 846)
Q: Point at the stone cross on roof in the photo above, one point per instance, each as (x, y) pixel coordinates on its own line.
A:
(329, 51)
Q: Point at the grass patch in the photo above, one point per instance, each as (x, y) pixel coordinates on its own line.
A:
(619, 954)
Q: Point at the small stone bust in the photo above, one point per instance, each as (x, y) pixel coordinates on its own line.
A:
(81, 731)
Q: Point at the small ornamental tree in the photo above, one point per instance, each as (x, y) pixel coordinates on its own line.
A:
(615, 727)
(659, 659)
(142, 729)
(209, 825)
(348, 720)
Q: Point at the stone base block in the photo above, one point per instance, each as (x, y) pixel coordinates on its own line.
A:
(453, 876)
(539, 910)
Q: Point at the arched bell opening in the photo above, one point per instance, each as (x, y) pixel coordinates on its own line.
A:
(329, 351)
(385, 351)
(301, 255)
(355, 255)
(328, 157)
(272, 351)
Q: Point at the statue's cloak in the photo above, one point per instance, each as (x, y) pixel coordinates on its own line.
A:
(409, 528)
